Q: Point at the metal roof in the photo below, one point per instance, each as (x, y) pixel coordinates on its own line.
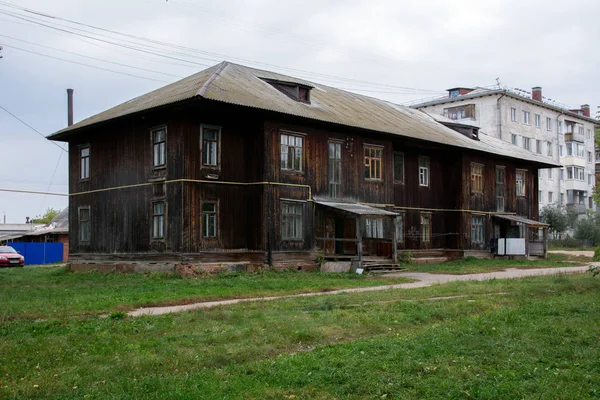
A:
(522, 220)
(358, 209)
(245, 86)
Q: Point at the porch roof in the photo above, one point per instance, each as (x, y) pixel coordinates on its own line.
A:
(521, 220)
(358, 209)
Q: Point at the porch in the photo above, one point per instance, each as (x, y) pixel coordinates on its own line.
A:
(519, 236)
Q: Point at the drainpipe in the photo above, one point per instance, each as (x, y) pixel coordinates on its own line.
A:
(558, 153)
(499, 115)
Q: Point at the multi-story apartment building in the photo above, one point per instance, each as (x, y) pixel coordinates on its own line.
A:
(566, 136)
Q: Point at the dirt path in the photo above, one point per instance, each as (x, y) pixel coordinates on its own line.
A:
(423, 280)
(585, 253)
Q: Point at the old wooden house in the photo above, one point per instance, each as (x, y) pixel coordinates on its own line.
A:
(235, 165)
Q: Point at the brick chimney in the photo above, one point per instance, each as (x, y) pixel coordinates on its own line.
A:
(536, 93)
(586, 109)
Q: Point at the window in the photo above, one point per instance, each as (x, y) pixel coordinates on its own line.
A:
(526, 116)
(158, 220)
(538, 120)
(513, 114)
(291, 152)
(400, 228)
(399, 167)
(374, 228)
(84, 224)
(540, 174)
(549, 124)
(209, 220)
(590, 182)
(460, 112)
(589, 154)
(373, 162)
(526, 143)
(560, 150)
(500, 182)
(84, 165)
(423, 171)
(476, 178)
(575, 173)
(291, 221)
(550, 173)
(425, 228)
(562, 199)
(210, 145)
(575, 149)
(559, 126)
(580, 130)
(538, 146)
(591, 201)
(549, 147)
(540, 196)
(158, 147)
(561, 174)
(520, 183)
(513, 138)
(335, 169)
(589, 134)
(570, 126)
(550, 197)
(477, 229)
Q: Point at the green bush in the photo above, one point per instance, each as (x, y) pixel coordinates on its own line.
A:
(596, 254)
(405, 258)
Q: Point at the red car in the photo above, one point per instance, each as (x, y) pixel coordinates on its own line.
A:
(9, 257)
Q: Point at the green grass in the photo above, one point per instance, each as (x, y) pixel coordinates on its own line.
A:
(532, 338)
(471, 265)
(53, 291)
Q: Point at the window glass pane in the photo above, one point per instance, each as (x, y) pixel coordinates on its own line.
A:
(209, 207)
(85, 152)
(210, 134)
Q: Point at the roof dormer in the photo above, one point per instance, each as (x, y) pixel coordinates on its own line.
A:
(294, 90)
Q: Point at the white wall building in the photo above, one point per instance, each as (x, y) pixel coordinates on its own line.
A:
(565, 136)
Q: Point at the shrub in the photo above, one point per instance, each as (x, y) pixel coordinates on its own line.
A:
(405, 258)
(596, 254)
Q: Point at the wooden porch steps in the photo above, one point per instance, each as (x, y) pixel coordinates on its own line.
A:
(381, 267)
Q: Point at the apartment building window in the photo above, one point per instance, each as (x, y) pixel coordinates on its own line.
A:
(549, 147)
(580, 129)
(520, 183)
(373, 156)
(540, 174)
(291, 152)
(526, 143)
(500, 185)
(550, 174)
(559, 127)
(209, 220)
(540, 196)
(589, 134)
(158, 220)
(526, 116)
(538, 146)
(423, 171)
(460, 112)
(560, 150)
(550, 197)
(84, 162)
(400, 228)
(562, 199)
(549, 124)
(291, 221)
(575, 173)
(561, 174)
(476, 178)
(374, 228)
(398, 167)
(159, 143)
(210, 138)
(513, 114)
(591, 201)
(589, 154)
(513, 139)
(477, 229)
(425, 228)
(84, 225)
(575, 149)
(590, 181)
(538, 120)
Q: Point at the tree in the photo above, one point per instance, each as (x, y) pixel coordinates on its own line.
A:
(47, 217)
(556, 217)
(587, 230)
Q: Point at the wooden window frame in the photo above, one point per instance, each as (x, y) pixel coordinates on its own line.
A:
(373, 165)
(373, 228)
(477, 178)
(205, 214)
(398, 179)
(288, 235)
(84, 162)
(400, 220)
(161, 219)
(477, 230)
(427, 171)
(161, 145)
(285, 165)
(332, 185)
(425, 239)
(217, 143)
(81, 221)
(503, 187)
(521, 191)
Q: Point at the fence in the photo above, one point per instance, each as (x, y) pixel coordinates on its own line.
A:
(39, 253)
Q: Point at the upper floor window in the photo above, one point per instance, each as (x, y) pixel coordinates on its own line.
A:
(526, 116)
(575, 149)
(476, 178)
(575, 173)
(549, 147)
(210, 139)
(159, 142)
(460, 112)
(526, 143)
(513, 138)
(423, 171)
(559, 126)
(570, 126)
(589, 134)
(589, 154)
(549, 124)
(500, 184)
(291, 221)
(291, 152)
(538, 120)
(513, 114)
(538, 146)
(373, 156)
(84, 224)
(520, 183)
(84, 162)
(158, 220)
(399, 167)
(580, 130)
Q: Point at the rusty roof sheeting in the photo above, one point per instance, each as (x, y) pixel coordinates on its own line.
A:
(358, 209)
(522, 220)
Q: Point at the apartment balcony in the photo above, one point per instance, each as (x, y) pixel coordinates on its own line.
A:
(572, 184)
(577, 208)
(574, 137)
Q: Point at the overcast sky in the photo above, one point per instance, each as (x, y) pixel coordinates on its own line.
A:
(396, 50)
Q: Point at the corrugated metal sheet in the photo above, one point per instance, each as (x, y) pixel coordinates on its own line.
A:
(522, 220)
(358, 209)
(240, 85)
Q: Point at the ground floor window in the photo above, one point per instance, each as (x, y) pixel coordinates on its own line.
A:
(425, 228)
(374, 228)
(209, 219)
(291, 220)
(400, 228)
(477, 229)
(158, 220)
(84, 224)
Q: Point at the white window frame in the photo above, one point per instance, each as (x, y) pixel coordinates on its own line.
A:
(477, 231)
(374, 228)
(513, 139)
(526, 117)
(424, 171)
(549, 124)
(521, 188)
(538, 120)
(372, 163)
(513, 114)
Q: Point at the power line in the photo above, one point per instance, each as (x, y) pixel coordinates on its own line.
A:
(33, 192)
(32, 128)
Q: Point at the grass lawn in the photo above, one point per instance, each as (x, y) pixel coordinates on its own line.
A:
(471, 265)
(44, 292)
(536, 338)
